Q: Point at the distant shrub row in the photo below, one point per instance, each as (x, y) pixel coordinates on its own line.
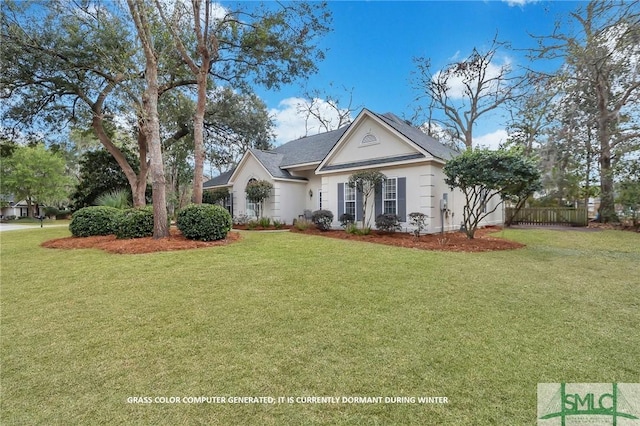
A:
(199, 222)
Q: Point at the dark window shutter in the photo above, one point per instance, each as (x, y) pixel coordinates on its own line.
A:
(340, 200)
(402, 199)
(378, 200)
(358, 205)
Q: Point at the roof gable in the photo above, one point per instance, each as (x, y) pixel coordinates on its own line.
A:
(417, 136)
(404, 143)
(370, 141)
(339, 149)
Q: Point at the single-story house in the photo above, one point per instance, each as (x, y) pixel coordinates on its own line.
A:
(311, 173)
(18, 209)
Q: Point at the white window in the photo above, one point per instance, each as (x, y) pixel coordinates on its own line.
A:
(350, 200)
(390, 196)
(253, 209)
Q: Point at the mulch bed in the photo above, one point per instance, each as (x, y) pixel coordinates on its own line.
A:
(137, 245)
(450, 241)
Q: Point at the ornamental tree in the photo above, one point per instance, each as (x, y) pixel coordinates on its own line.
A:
(366, 182)
(483, 175)
(257, 191)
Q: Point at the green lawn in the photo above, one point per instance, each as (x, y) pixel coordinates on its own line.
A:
(289, 315)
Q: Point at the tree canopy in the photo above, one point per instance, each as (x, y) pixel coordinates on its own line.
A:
(34, 174)
(484, 175)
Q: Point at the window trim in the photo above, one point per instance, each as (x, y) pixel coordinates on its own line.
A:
(384, 193)
(347, 190)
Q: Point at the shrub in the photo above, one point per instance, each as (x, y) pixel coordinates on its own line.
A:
(204, 222)
(388, 222)
(277, 224)
(322, 219)
(50, 211)
(241, 219)
(346, 219)
(419, 221)
(264, 222)
(94, 220)
(135, 223)
(252, 224)
(116, 198)
(63, 214)
(302, 224)
(352, 228)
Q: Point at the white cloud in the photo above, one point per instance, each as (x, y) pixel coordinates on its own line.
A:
(290, 122)
(491, 140)
(520, 3)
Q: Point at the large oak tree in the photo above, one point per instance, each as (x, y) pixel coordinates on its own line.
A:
(601, 63)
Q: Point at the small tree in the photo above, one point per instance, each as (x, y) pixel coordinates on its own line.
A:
(257, 191)
(366, 182)
(34, 174)
(482, 174)
(419, 221)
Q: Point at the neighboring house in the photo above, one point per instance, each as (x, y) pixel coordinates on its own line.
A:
(311, 173)
(19, 209)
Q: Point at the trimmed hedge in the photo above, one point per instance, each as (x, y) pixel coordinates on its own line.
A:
(94, 220)
(388, 222)
(322, 219)
(205, 222)
(134, 223)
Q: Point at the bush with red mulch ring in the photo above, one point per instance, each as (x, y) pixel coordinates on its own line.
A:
(176, 241)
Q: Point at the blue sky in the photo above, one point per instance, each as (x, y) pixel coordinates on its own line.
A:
(372, 45)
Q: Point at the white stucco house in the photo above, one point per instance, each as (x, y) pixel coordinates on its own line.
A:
(19, 209)
(311, 173)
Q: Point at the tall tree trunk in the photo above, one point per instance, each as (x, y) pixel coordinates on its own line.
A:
(152, 132)
(198, 133)
(151, 121)
(607, 211)
(207, 48)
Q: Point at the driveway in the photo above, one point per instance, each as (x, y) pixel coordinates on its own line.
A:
(13, 227)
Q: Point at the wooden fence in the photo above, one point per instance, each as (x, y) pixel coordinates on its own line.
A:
(549, 216)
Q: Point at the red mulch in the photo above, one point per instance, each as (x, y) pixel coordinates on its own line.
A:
(137, 245)
(450, 241)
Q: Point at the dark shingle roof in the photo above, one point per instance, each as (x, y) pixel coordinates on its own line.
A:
(272, 161)
(221, 180)
(310, 149)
